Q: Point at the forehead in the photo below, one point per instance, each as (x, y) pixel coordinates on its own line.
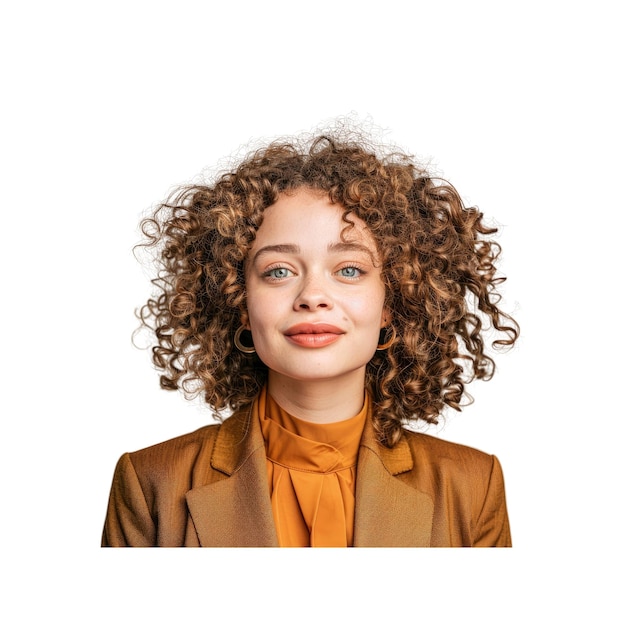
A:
(309, 217)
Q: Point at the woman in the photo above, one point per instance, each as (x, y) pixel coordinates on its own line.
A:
(327, 295)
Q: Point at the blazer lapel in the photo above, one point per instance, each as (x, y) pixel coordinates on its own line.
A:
(236, 511)
(389, 512)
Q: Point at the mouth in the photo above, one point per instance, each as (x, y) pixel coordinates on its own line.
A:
(313, 335)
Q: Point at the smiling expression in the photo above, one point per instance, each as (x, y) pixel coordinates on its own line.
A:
(315, 299)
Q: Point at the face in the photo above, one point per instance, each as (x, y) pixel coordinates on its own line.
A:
(315, 300)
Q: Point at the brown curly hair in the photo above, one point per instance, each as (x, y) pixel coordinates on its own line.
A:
(438, 266)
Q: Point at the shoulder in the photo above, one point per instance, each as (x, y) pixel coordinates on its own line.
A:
(178, 458)
(182, 444)
(437, 460)
(147, 501)
(424, 444)
(466, 486)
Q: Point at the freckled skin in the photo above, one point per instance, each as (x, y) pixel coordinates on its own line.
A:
(301, 275)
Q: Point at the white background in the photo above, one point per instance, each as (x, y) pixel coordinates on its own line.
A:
(107, 106)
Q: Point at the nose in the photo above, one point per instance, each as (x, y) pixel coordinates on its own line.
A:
(312, 296)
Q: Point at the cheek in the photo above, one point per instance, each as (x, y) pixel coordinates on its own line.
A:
(255, 315)
(261, 314)
(256, 307)
(369, 313)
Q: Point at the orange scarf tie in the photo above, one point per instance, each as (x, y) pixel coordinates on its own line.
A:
(312, 472)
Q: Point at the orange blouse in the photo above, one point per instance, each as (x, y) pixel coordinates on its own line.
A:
(311, 470)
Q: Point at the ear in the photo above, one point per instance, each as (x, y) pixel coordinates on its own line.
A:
(385, 318)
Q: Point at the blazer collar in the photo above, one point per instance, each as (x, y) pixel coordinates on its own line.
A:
(389, 512)
(236, 511)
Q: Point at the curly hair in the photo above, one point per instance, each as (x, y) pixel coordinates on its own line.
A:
(438, 266)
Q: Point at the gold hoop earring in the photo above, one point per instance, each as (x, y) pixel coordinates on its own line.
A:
(389, 342)
(239, 345)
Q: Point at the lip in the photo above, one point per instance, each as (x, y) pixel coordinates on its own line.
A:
(313, 335)
(313, 329)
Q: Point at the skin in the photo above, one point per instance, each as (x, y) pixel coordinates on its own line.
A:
(315, 305)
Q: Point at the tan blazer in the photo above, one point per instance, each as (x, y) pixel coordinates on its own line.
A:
(210, 488)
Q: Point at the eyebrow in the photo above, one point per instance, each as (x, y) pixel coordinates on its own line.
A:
(349, 246)
(290, 248)
(285, 248)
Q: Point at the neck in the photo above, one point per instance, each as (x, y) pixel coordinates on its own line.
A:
(319, 401)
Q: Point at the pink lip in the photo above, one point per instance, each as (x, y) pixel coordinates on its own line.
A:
(313, 335)
(313, 329)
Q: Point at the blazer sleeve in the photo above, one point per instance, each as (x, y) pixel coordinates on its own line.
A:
(128, 520)
(492, 527)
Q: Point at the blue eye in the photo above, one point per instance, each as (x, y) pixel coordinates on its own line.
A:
(277, 273)
(350, 272)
